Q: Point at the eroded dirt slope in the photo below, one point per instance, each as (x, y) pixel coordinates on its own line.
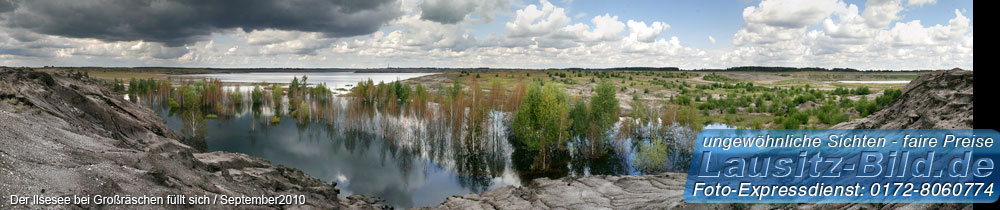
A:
(941, 100)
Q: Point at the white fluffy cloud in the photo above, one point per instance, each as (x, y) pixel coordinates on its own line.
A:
(920, 2)
(532, 21)
(847, 37)
(824, 33)
(790, 13)
(879, 13)
(645, 33)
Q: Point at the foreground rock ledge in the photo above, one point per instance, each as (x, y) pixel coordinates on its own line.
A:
(663, 191)
(66, 135)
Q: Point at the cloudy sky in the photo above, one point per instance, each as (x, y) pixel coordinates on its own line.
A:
(874, 34)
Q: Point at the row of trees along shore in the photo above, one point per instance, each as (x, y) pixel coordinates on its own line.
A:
(543, 118)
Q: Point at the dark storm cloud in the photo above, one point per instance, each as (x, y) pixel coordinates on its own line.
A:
(6, 5)
(446, 11)
(179, 22)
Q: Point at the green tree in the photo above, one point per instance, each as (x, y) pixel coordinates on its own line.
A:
(236, 97)
(191, 97)
(293, 88)
(579, 115)
(542, 120)
(604, 108)
(257, 96)
(276, 92)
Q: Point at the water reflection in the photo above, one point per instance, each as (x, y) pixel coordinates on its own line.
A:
(410, 155)
(399, 158)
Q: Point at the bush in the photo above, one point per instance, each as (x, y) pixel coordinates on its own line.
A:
(276, 92)
(236, 97)
(801, 117)
(682, 100)
(717, 78)
(887, 97)
(303, 111)
(863, 90)
(790, 123)
(257, 96)
(652, 156)
(173, 103)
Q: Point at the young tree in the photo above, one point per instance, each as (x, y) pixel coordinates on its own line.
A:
(604, 111)
(276, 92)
(542, 120)
(257, 96)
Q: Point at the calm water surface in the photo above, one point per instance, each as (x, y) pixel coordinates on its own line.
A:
(404, 160)
(360, 163)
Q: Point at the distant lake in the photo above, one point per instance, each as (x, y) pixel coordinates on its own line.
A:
(875, 82)
(333, 80)
(718, 126)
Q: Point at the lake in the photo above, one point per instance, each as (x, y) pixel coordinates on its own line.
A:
(875, 82)
(407, 159)
(333, 80)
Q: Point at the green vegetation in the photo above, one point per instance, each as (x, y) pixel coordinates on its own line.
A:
(257, 96)
(554, 114)
(603, 114)
(542, 119)
(652, 155)
(717, 78)
(276, 94)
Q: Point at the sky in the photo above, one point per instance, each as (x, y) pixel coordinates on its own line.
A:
(874, 34)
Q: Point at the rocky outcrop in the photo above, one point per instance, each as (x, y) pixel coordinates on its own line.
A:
(591, 192)
(941, 99)
(64, 135)
(663, 191)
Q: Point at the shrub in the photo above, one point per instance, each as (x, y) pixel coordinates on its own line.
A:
(276, 92)
(173, 103)
(652, 156)
(863, 90)
(236, 97)
(257, 96)
(790, 123)
(303, 111)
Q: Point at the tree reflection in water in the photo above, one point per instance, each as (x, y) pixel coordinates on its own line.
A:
(463, 133)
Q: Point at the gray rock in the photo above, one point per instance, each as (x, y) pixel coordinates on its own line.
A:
(63, 136)
(941, 99)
